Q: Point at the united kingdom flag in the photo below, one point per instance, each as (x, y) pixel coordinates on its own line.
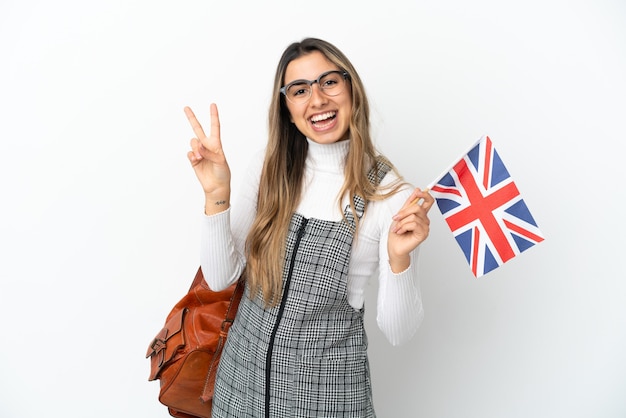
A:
(484, 209)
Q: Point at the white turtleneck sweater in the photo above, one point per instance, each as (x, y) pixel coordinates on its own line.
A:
(399, 306)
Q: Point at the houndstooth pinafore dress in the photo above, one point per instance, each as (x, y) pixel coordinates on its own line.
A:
(307, 356)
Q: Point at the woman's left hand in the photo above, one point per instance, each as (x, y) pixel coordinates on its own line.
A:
(410, 227)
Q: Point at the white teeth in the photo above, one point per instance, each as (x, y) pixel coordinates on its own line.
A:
(323, 116)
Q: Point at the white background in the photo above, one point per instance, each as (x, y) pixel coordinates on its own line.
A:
(100, 210)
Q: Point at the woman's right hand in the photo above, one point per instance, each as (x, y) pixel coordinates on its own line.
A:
(208, 161)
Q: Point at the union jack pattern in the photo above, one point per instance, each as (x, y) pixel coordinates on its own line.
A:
(484, 209)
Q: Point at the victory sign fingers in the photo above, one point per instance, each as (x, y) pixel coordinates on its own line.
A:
(201, 142)
(209, 162)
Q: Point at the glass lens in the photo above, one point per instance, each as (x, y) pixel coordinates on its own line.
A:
(298, 92)
(332, 83)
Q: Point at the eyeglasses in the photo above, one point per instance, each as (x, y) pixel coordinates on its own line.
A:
(331, 83)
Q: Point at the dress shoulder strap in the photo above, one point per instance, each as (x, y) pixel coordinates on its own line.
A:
(375, 175)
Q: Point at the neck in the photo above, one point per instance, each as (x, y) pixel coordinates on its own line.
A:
(328, 157)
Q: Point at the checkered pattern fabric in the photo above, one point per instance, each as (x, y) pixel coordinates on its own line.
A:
(306, 357)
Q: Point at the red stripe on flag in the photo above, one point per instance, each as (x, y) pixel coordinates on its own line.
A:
(475, 251)
(481, 208)
(449, 190)
(523, 232)
(488, 147)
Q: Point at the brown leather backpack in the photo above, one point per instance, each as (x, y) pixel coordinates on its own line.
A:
(185, 353)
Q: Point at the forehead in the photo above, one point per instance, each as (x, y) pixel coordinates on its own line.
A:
(308, 67)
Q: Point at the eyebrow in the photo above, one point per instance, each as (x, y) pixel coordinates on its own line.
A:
(298, 81)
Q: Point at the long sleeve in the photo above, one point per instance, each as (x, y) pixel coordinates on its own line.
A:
(399, 311)
(221, 261)
(223, 235)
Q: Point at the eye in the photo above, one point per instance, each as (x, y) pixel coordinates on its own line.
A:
(329, 81)
(298, 89)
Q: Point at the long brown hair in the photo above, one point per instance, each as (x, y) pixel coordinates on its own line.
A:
(283, 169)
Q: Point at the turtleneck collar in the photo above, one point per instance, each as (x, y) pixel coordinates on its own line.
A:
(328, 157)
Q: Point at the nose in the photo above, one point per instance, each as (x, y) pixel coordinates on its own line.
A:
(317, 95)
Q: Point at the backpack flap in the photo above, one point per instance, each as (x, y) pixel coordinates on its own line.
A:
(166, 344)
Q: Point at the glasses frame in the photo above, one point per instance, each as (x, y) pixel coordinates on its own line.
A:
(310, 83)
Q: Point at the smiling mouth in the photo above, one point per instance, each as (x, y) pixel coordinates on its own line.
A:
(323, 119)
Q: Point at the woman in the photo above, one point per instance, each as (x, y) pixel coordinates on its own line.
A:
(319, 215)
